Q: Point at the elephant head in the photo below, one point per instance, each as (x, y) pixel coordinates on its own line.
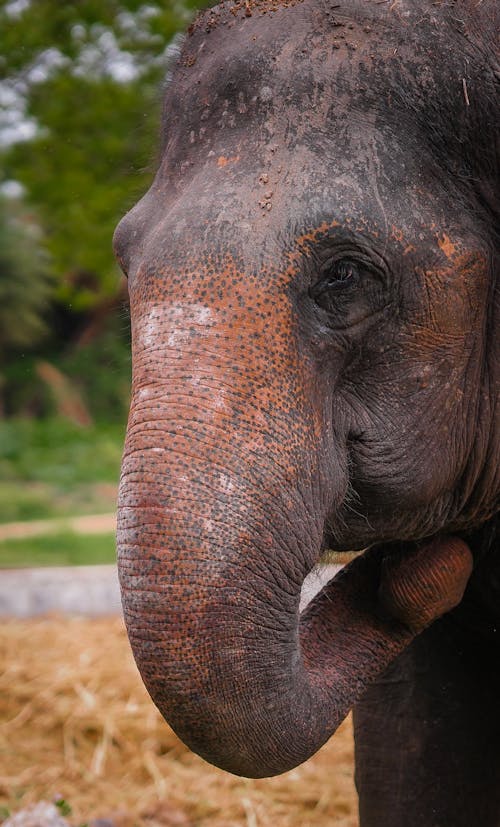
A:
(311, 278)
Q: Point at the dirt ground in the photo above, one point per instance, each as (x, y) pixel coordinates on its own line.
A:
(76, 722)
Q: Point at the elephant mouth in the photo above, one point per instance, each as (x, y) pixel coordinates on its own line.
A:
(327, 567)
(330, 556)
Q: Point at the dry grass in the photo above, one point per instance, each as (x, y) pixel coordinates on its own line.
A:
(76, 721)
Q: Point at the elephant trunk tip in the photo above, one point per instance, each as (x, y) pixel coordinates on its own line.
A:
(427, 582)
(257, 691)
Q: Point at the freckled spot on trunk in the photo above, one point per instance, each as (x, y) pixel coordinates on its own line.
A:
(397, 234)
(447, 246)
(222, 161)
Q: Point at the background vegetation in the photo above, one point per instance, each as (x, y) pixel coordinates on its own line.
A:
(80, 89)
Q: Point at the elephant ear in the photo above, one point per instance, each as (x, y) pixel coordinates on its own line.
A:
(481, 604)
(472, 108)
(487, 187)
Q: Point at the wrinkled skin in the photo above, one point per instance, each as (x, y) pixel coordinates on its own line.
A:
(314, 301)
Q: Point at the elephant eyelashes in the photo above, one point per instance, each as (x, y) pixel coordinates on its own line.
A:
(341, 274)
(337, 276)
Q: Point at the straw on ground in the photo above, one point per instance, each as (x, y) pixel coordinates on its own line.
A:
(78, 723)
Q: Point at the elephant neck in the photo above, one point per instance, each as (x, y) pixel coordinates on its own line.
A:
(484, 542)
(480, 608)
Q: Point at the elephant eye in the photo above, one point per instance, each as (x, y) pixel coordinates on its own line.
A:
(341, 274)
(337, 276)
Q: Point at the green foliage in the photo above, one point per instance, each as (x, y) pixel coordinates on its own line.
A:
(45, 500)
(88, 75)
(63, 549)
(140, 28)
(25, 283)
(32, 501)
(101, 371)
(83, 172)
(50, 468)
(59, 452)
(85, 77)
(64, 808)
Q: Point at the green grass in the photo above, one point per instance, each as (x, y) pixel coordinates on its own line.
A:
(63, 549)
(52, 468)
(58, 452)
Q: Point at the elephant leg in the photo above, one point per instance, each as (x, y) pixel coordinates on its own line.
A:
(428, 734)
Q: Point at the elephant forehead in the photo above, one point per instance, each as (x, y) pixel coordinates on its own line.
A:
(277, 112)
(330, 91)
(285, 79)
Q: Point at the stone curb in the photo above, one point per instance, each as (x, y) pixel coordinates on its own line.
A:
(90, 591)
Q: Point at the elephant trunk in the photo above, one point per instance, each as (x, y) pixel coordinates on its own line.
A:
(223, 501)
(244, 680)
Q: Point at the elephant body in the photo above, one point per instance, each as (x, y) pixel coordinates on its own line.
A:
(314, 303)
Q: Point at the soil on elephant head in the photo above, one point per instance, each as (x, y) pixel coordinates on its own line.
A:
(79, 726)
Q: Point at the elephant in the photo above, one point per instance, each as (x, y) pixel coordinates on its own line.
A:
(314, 307)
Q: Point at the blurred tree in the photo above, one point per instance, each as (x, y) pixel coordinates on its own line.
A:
(79, 84)
(25, 283)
